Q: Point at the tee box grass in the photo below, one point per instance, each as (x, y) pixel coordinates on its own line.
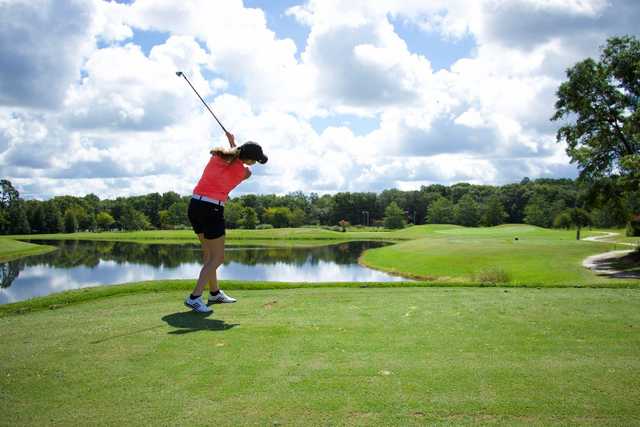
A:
(329, 356)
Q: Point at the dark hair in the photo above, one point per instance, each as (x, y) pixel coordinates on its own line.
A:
(252, 151)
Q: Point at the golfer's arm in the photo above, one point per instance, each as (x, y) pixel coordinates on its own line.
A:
(247, 172)
(232, 139)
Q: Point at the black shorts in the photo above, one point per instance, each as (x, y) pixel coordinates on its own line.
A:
(206, 218)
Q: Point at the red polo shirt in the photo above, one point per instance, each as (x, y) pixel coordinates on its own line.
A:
(220, 177)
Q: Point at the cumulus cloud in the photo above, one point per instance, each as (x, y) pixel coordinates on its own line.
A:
(241, 48)
(95, 111)
(367, 67)
(41, 48)
(125, 90)
(526, 24)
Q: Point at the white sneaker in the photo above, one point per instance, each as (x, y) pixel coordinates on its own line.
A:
(221, 298)
(197, 305)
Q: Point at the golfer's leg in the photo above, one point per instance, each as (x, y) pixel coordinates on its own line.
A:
(208, 271)
(216, 251)
(205, 251)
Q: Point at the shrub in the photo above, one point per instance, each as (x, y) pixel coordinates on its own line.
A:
(633, 226)
(279, 217)
(264, 227)
(492, 276)
(562, 220)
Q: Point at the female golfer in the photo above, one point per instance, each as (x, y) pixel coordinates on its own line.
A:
(225, 170)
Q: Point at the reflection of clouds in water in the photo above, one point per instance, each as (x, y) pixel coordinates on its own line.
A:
(322, 271)
(42, 279)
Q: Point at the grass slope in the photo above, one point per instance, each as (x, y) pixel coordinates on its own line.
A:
(13, 249)
(281, 234)
(514, 254)
(188, 235)
(319, 234)
(329, 357)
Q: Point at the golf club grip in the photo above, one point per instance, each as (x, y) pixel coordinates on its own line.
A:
(205, 104)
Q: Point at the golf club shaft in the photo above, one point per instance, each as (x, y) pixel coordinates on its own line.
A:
(205, 104)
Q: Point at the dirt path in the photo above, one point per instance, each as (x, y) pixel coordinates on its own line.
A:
(603, 264)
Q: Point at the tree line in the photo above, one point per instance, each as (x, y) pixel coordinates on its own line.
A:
(547, 203)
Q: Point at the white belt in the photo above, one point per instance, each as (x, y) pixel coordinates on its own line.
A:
(207, 199)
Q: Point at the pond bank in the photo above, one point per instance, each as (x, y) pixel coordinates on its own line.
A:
(13, 249)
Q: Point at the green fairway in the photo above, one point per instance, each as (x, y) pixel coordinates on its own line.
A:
(327, 356)
(306, 233)
(180, 236)
(276, 236)
(12, 249)
(515, 254)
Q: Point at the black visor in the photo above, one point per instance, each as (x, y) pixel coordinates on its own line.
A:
(252, 151)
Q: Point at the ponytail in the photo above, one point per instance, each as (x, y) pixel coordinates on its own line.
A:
(226, 154)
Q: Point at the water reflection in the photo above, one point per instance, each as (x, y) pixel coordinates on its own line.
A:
(78, 264)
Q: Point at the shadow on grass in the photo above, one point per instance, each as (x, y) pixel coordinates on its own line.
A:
(125, 335)
(624, 267)
(189, 321)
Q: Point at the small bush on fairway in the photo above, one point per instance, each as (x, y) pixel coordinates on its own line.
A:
(633, 226)
(493, 276)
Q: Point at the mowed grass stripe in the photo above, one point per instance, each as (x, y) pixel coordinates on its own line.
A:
(329, 356)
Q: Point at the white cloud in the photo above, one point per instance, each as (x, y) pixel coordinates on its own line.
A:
(109, 23)
(120, 122)
(124, 89)
(366, 67)
(41, 47)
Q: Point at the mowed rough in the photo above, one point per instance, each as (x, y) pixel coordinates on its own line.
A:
(336, 356)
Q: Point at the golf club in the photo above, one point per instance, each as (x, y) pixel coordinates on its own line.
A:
(181, 74)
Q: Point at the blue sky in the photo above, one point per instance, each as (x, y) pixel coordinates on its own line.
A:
(344, 96)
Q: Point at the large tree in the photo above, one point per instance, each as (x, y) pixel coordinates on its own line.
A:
(466, 211)
(394, 216)
(52, 217)
(13, 218)
(599, 104)
(493, 213)
(440, 211)
(104, 221)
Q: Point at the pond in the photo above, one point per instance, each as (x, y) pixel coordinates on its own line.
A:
(78, 264)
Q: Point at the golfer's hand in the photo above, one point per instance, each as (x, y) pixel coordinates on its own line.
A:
(232, 139)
